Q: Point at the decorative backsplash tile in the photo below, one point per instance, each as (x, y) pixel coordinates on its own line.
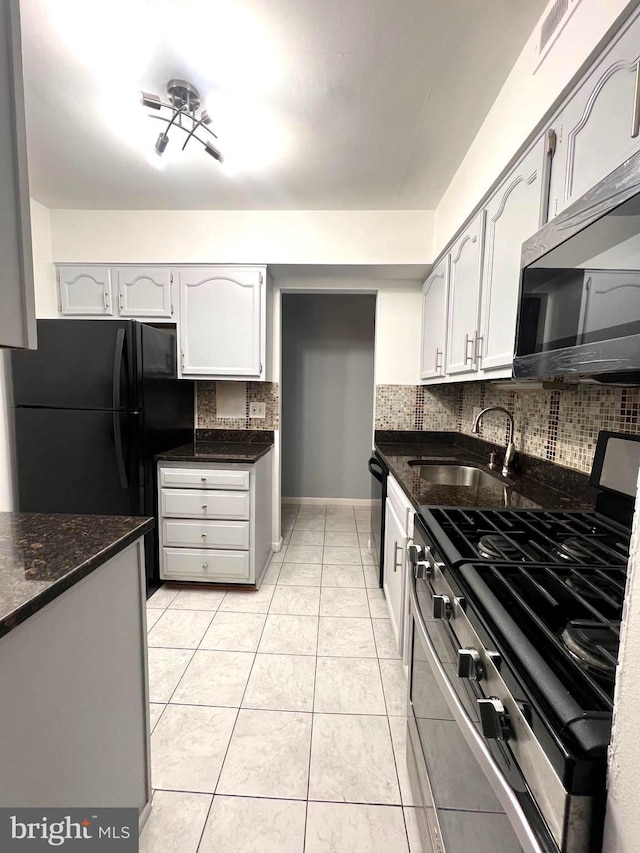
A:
(256, 392)
(558, 425)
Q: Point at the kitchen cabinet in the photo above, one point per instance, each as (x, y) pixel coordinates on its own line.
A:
(398, 530)
(18, 316)
(513, 214)
(599, 126)
(144, 291)
(435, 293)
(222, 324)
(84, 291)
(464, 297)
(215, 521)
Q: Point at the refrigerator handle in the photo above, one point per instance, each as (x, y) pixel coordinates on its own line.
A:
(117, 368)
(120, 461)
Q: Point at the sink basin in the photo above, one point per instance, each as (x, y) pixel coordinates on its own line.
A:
(458, 475)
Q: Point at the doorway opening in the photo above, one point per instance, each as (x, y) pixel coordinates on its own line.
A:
(327, 394)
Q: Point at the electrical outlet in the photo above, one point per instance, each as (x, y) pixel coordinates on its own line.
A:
(257, 410)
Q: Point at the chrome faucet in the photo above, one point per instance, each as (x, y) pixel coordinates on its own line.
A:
(510, 451)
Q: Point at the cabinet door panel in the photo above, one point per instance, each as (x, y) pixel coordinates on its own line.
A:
(597, 123)
(394, 541)
(464, 294)
(85, 291)
(221, 329)
(434, 321)
(512, 216)
(144, 292)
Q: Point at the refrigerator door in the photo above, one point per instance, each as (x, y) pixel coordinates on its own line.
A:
(78, 461)
(79, 364)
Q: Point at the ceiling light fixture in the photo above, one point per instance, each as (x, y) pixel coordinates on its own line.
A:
(182, 106)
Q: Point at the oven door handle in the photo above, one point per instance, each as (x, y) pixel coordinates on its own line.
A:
(475, 741)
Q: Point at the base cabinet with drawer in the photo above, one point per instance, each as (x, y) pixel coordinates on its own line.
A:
(398, 530)
(215, 521)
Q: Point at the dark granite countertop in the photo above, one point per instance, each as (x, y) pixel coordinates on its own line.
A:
(42, 555)
(523, 492)
(216, 451)
(213, 445)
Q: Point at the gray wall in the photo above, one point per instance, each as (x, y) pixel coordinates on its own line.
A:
(327, 394)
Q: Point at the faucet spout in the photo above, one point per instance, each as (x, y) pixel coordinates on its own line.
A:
(510, 450)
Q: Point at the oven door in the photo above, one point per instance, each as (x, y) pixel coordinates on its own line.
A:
(469, 799)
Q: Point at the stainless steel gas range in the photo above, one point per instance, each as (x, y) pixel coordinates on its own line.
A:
(515, 633)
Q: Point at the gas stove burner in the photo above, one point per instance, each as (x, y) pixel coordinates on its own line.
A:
(593, 644)
(576, 549)
(494, 546)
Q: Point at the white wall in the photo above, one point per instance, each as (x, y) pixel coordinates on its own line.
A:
(45, 307)
(195, 236)
(522, 102)
(622, 827)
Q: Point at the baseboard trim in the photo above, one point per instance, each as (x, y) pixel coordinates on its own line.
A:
(360, 502)
(277, 546)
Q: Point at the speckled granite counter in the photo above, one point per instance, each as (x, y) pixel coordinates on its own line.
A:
(527, 491)
(42, 555)
(222, 446)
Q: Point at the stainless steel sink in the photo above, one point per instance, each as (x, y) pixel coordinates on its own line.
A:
(458, 475)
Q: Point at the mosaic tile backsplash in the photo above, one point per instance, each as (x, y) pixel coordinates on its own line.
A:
(256, 392)
(561, 425)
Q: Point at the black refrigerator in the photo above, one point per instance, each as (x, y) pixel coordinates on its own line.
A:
(92, 406)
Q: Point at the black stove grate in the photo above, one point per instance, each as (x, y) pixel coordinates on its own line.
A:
(535, 536)
(544, 599)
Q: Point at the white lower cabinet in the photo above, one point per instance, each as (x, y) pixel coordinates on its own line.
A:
(398, 529)
(215, 521)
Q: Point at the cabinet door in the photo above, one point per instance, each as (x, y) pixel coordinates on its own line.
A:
(17, 316)
(222, 322)
(512, 216)
(84, 291)
(599, 125)
(144, 292)
(434, 321)
(394, 549)
(464, 295)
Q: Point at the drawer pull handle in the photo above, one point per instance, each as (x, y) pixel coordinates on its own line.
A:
(203, 479)
(205, 565)
(203, 535)
(204, 507)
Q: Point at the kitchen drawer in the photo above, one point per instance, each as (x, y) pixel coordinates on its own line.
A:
(204, 478)
(191, 565)
(183, 503)
(205, 534)
(399, 501)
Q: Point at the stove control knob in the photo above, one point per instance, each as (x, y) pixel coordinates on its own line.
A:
(423, 570)
(415, 553)
(470, 665)
(494, 719)
(441, 607)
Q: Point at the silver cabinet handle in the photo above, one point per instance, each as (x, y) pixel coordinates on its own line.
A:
(203, 535)
(439, 354)
(397, 550)
(105, 296)
(635, 123)
(204, 506)
(203, 479)
(120, 300)
(468, 357)
(477, 348)
(205, 565)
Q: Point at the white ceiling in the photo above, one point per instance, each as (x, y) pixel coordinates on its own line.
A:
(318, 104)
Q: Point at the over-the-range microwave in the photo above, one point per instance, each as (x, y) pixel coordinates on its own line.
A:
(579, 309)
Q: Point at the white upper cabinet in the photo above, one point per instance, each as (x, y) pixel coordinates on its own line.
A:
(222, 322)
(17, 316)
(144, 291)
(85, 291)
(464, 296)
(434, 321)
(599, 128)
(513, 214)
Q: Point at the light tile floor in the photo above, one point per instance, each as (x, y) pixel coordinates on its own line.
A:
(278, 716)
